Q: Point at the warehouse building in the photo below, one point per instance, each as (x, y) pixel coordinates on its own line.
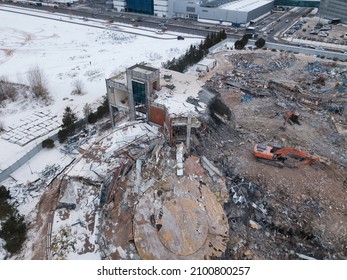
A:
(220, 11)
(331, 9)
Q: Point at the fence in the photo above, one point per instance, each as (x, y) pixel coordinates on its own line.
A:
(24, 159)
(29, 155)
(289, 48)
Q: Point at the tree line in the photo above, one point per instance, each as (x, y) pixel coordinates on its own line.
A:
(195, 52)
(242, 42)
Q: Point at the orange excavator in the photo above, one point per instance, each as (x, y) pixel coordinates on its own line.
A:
(282, 157)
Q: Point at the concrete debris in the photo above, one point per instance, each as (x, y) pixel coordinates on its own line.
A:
(211, 169)
(255, 225)
(179, 159)
(138, 176)
(68, 199)
(50, 171)
(304, 257)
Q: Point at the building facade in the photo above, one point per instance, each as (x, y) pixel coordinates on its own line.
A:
(140, 6)
(132, 92)
(158, 8)
(221, 11)
(331, 9)
(298, 3)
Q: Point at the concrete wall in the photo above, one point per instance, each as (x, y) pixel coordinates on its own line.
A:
(334, 9)
(157, 114)
(254, 14)
(185, 8)
(223, 15)
(161, 8)
(119, 5)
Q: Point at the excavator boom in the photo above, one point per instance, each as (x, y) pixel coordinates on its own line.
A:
(280, 156)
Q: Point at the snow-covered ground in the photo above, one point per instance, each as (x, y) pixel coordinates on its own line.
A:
(65, 51)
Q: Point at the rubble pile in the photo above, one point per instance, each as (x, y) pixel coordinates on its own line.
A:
(255, 215)
(282, 213)
(214, 199)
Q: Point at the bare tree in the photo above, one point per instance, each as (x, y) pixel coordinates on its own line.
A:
(37, 83)
(23, 89)
(7, 90)
(78, 87)
(87, 109)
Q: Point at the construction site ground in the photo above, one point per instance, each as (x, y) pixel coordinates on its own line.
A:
(271, 212)
(281, 213)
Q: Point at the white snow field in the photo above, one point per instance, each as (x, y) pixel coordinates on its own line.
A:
(66, 49)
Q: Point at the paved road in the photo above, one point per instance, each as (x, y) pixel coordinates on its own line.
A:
(180, 25)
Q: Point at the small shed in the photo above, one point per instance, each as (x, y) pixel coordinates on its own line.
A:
(206, 65)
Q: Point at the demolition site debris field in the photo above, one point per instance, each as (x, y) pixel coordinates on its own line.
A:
(122, 199)
(281, 213)
(271, 212)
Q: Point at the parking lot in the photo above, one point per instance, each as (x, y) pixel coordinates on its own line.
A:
(318, 30)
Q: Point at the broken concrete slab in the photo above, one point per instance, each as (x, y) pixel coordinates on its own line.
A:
(185, 222)
(211, 169)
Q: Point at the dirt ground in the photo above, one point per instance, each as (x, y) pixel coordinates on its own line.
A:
(280, 213)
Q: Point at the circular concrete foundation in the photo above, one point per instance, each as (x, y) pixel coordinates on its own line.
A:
(180, 219)
(184, 226)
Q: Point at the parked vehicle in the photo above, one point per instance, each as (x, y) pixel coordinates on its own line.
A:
(334, 21)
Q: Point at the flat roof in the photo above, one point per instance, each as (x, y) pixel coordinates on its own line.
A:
(143, 68)
(206, 61)
(175, 99)
(245, 5)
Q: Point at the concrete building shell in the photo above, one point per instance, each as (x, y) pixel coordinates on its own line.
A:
(177, 118)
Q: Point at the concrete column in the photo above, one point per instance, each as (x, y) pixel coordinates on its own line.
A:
(148, 96)
(137, 187)
(111, 115)
(130, 95)
(189, 131)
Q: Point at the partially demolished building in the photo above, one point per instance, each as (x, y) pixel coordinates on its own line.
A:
(158, 96)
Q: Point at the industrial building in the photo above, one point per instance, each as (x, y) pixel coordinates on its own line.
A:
(220, 11)
(331, 9)
(234, 12)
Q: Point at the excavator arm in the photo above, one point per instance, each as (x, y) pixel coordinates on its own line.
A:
(302, 158)
(280, 156)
